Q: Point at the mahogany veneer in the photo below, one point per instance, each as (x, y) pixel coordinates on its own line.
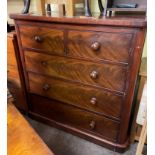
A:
(77, 70)
(80, 73)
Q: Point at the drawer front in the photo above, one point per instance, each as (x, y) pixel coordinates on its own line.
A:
(75, 117)
(99, 45)
(11, 58)
(88, 98)
(13, 77)
(103, 75)
(41, 38)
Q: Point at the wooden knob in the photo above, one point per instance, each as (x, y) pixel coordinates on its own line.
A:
(93, 101)
(44, 63)
(95, 46)
(92, 125)
(38, 39)
(94, 74)
(46, 87)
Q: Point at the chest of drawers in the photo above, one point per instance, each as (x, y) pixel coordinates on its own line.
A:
(80, 74)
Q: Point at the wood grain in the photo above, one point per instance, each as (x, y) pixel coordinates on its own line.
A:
(21, 138)
(109, 76)
(74, 117)
(132, 79)
(51, 39)
(116, 64)
(113, 46)
(76, 94)
(118, 21)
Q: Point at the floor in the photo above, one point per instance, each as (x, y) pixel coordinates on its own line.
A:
(63, 143)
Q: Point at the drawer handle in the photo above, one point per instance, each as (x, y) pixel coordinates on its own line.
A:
(93, 101)
(38, 39)
(46, 87)
(92, 125)
(95, 46)
(44, 63)
(94, 74)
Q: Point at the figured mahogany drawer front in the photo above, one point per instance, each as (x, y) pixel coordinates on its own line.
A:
(87, 98)
(98, 74)
(75, 117)
(99, 45)
(42, 38)
(13, 77)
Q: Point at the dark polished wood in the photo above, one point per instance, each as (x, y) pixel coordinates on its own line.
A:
(42, 38)
(102, 75)
(123, 21)
(75, 117)
(100, 45)
(89, 98)
(81, 72)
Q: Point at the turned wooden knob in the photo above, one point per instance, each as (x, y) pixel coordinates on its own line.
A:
(44, 63)
(92, 125)
(93, 101)
(94, 74)
(46, 87)
(95, 46)
(38, 39)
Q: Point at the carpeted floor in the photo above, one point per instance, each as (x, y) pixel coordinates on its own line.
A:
(63, 143)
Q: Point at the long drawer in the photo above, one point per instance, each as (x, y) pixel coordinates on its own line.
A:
(88, 98)
(115, 47)
(47, 40)
(98, 74)
(75, 117)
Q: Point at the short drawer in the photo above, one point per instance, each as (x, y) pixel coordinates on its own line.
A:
(88, 98)
(97, 74)
(13, 77)
(47, 40)
(100, 45)
(74, 117)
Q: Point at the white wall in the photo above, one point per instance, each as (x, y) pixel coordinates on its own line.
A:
(16, 6)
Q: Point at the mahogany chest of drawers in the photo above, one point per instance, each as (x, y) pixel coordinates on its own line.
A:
(80, 73)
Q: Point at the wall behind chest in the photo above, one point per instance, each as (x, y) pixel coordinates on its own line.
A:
(16, 6)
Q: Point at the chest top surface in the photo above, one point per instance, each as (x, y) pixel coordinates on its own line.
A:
(121, 20)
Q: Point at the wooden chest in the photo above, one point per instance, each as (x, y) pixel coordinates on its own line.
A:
(80, 73)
